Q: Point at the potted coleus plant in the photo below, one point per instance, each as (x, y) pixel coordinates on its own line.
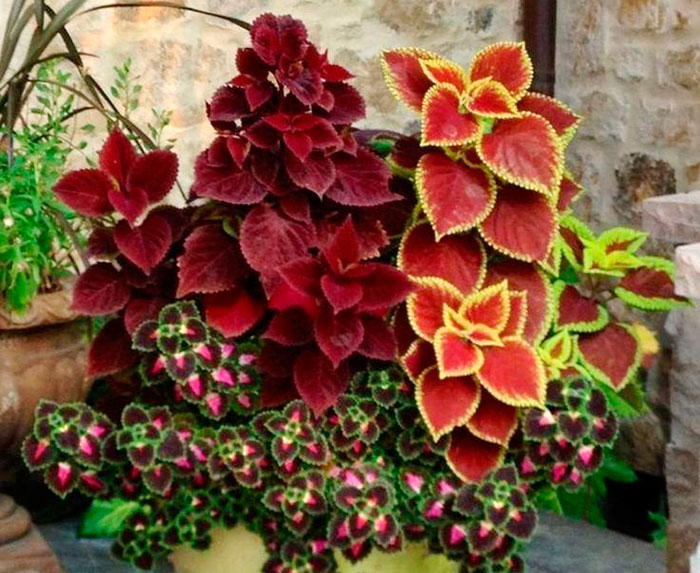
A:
(348, 341)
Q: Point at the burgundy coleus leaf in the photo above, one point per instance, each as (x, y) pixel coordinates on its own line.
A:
(378, 340)
(117, 156)
(459, 259)
(318, 383)
(315, 172)
(274, 36)
(234, 311)
(85, 191)
(100, 243)
(361, 180)
(348, 104)
(524, 151)
(100, 290)
(212, 261)
(290, 327)
(522, 224)
(383, 286)
(155, 173)
(227, 105)
(139, 310)
(130, 203)
(111, 351)
(303, 133)
(269, 240)
(338, 335)
(611, 355)
(454, 196)
(217, 175)
(147, 244)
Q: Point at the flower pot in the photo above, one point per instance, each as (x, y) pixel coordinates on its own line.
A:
(241, 551)
(42, 355)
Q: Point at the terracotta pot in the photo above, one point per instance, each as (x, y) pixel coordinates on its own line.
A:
(241, 551)
(42, 355)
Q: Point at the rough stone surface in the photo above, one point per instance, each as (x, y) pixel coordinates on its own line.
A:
(674, 218)
(687, 277)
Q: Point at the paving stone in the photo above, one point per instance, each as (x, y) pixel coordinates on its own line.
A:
(687, 277)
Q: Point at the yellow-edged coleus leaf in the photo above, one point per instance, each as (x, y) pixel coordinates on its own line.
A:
(454, 195)
(564, 121)
(425, 305)
(472, 458)
(456, 354)
(487, 98)
(569, 191)
(574, 232)
(514, 373)
(493, 420)
(558, 352)
(442, 124)
(404, 75)
(489, 307)
(459, 259)
(650, 287)
(525, 151)
(611, 355)
(525, 277)
(443, 71)
(418, 358)
(522, 224)
(505, 62)
(446, 403)
(552, 262)
(575, 312)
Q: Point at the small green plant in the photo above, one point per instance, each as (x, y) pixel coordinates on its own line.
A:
(37, 234)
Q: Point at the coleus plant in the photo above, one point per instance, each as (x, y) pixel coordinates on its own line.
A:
(511, 288)
(261, 365)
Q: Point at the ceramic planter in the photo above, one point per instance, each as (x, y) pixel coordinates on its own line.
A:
(241, 551)
(42, 355)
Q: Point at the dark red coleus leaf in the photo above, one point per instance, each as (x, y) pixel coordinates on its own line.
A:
(361, 181)
(139, 310)
(338, 335)
(101, 243)
(383, 286)
(274, 36)
(100, 290)
(147, 244)
(117, 156)
(316, 172)
(318, 383)
(155, 173)
(650, 284)
(269, 240)
(228, 104)
(85, 191)
(131, 203)
(218, 176)
(212, 261)
(110, 351)
(348, 104)
(290, 327)
(233, 312)
(578, 313)
(378, 341)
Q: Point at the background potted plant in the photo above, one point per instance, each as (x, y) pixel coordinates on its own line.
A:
(261, 366)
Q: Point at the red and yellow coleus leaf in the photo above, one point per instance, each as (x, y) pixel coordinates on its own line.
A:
(487, 98)
(558, 353)
(506, 63)
(454, 196)
(513, 373)
(442, 122)
(459, 259)
(517, 318)
(456, 355)
(575, 312)
(425, 305)
(446, 403)
(611, 355)
(573, 233)
(472, 458)
(564, 121)
(442, 71)
(404, 74)
(493, 420)
(522, 224)
(524, 151)
(650, 287)
(569, 191)
(489, 307)
(524, 277)
(418, 358)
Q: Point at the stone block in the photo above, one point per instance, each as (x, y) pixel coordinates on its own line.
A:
(641, 14)
(581, 40)
(605, 116)
(682, 68)
(639, 177)
(673, 218)
(687, 277)
(630, 64)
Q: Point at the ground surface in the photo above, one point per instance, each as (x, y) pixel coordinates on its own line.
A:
(559, 545)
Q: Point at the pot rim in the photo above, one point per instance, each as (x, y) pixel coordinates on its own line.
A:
(47, 309)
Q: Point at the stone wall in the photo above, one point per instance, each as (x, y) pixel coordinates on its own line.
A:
(182, 58)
